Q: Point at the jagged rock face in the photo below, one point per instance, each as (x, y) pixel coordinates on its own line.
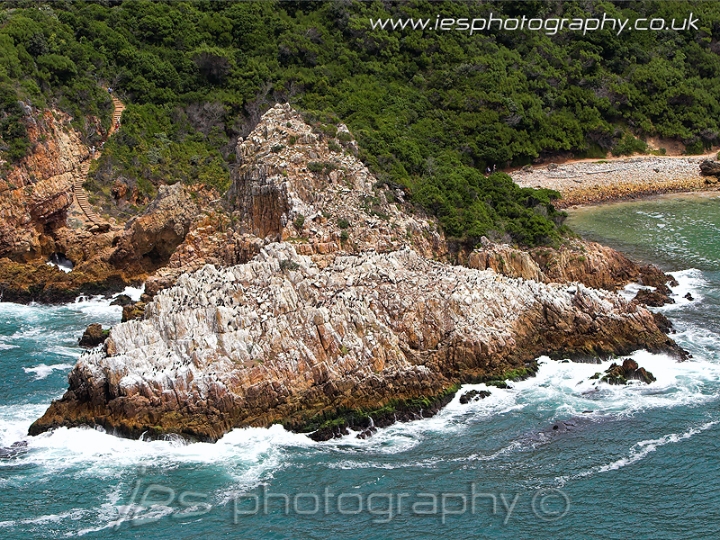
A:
(155, 234)
(36, 194)
(505, 260)
(292, 185)
(281, 339)
(279, 193)
(589, 263)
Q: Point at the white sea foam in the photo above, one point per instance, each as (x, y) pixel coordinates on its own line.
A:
(643, 448)
(639, 451)
(42, 371)
(631, 289)
(133, 292)
(689, 281)
(562, 389)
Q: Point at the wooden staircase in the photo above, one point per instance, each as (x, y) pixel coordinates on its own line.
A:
(81, 197)
(117, 113)
(81, 194)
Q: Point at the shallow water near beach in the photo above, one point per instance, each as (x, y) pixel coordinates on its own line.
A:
(556, 456)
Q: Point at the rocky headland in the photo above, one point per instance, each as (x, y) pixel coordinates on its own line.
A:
(314, 297)
(280, 339)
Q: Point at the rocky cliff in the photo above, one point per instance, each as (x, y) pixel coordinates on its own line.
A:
(300, 184)
(280, 339)
(36, 194)
(589, 263)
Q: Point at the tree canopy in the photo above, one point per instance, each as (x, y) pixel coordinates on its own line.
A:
(430, 110)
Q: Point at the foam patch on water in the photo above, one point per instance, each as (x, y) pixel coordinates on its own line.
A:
(133, 292)
(43, 370)
(561, 390)
(244, 457)
(640, 451)
(15, 421)
(691, 282)
(631, 289)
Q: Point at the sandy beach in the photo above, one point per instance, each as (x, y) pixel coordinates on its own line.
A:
(586, 182)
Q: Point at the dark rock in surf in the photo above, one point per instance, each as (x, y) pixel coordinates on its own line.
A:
(93, 336)
(473, 395)
(121, 300)
(628, 371)
(653, 298)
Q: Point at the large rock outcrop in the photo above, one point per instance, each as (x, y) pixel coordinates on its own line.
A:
(36, 194)
(280, 339)
(589, 263)
(151, 238)
(301, 184)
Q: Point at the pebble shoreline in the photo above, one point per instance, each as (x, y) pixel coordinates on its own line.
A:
(587, 182)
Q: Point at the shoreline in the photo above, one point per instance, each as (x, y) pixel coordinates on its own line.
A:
(643, 195)
(589, 183)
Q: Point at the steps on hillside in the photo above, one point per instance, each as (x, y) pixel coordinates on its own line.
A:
(79, 192)
(119, 107)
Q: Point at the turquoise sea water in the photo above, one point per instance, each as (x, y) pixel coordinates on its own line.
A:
(638, 462)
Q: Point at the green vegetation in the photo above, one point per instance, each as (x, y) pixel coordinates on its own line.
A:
(430, 110)
(629, 145)
(329, 423)
(299, 221)
(287, 264)
(499, 379)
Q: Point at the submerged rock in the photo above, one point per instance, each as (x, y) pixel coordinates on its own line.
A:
(473, 395)
(122, 300)
(653, 298)
(14, 450)
(628, 371)
(317, 347)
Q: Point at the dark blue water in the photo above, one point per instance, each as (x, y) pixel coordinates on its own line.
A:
(633, 462)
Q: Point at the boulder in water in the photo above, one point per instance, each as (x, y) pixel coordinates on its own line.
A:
(628, 371)
(473, 395)
(93, 336)
(653, 298)
(121, 300)
(13, 450)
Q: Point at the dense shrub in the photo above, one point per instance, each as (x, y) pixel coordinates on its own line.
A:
(430, 110)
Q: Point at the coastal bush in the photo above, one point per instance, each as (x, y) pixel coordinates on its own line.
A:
(629, 145)
(430, 110)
